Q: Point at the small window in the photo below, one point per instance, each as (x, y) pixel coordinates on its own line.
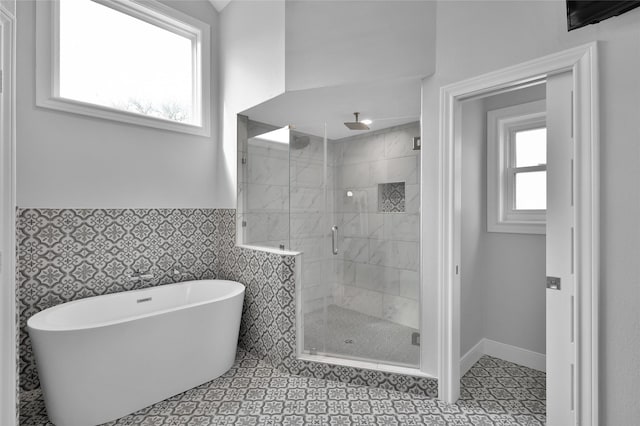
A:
(529, 169)
(142, 63)
(517, 169)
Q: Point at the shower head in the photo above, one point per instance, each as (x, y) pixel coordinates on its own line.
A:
(299, 142)
(356, 125)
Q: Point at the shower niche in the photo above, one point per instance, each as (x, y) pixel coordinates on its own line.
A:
(348, 201)
(391, 197)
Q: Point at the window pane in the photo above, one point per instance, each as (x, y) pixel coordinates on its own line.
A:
(531, 147)
(111, 59)
(531, 191)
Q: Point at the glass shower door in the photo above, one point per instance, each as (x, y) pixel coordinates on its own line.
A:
(310, 187)
(373, 312)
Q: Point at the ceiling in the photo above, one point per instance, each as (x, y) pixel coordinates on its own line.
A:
(220, 4)
(387, 103)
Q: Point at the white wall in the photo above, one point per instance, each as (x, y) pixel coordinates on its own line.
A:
(479, 36)
(252, 34)
(252, 37)
(332, 43)
(272, 45)
(9, 5)
(503, 275)
(66, 160)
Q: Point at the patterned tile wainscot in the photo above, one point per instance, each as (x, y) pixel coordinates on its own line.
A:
(69, 254)
(268, 318)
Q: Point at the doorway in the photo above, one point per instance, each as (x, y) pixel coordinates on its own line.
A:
(503, 210)
(572, 231)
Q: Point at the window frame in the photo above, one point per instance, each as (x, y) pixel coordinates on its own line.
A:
(502, 125)
(152, 12)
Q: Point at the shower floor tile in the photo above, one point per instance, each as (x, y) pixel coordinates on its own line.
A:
(494, 392)
(356, 335)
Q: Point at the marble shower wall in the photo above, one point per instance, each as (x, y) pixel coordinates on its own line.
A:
(379, 223)
(69, 254)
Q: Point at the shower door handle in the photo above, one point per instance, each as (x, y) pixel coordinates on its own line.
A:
(334, 239)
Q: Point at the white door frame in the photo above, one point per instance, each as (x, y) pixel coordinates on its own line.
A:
(582, 62)
(8, 356)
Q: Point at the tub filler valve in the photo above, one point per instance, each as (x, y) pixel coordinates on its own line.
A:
(137, 276)
(179, 273)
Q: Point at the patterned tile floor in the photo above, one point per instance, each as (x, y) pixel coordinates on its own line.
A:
(494, 392)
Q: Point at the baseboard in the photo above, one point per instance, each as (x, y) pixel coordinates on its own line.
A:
(514, 354)
(471, 357)
(510, 353)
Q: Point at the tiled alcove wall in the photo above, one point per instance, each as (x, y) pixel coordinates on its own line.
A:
(70, 254)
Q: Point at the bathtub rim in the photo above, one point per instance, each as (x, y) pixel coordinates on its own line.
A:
(37, 323)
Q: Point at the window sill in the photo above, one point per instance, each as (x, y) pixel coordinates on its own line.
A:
(97, 111)
(518, 227)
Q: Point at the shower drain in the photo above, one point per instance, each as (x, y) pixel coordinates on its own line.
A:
(348, 341)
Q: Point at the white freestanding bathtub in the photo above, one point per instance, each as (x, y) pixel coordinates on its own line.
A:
(103, 357)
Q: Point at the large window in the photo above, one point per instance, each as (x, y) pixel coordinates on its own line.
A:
(517, 169)
(141, 63)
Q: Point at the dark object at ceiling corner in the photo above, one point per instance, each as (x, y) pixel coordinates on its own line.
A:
(584, 12)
